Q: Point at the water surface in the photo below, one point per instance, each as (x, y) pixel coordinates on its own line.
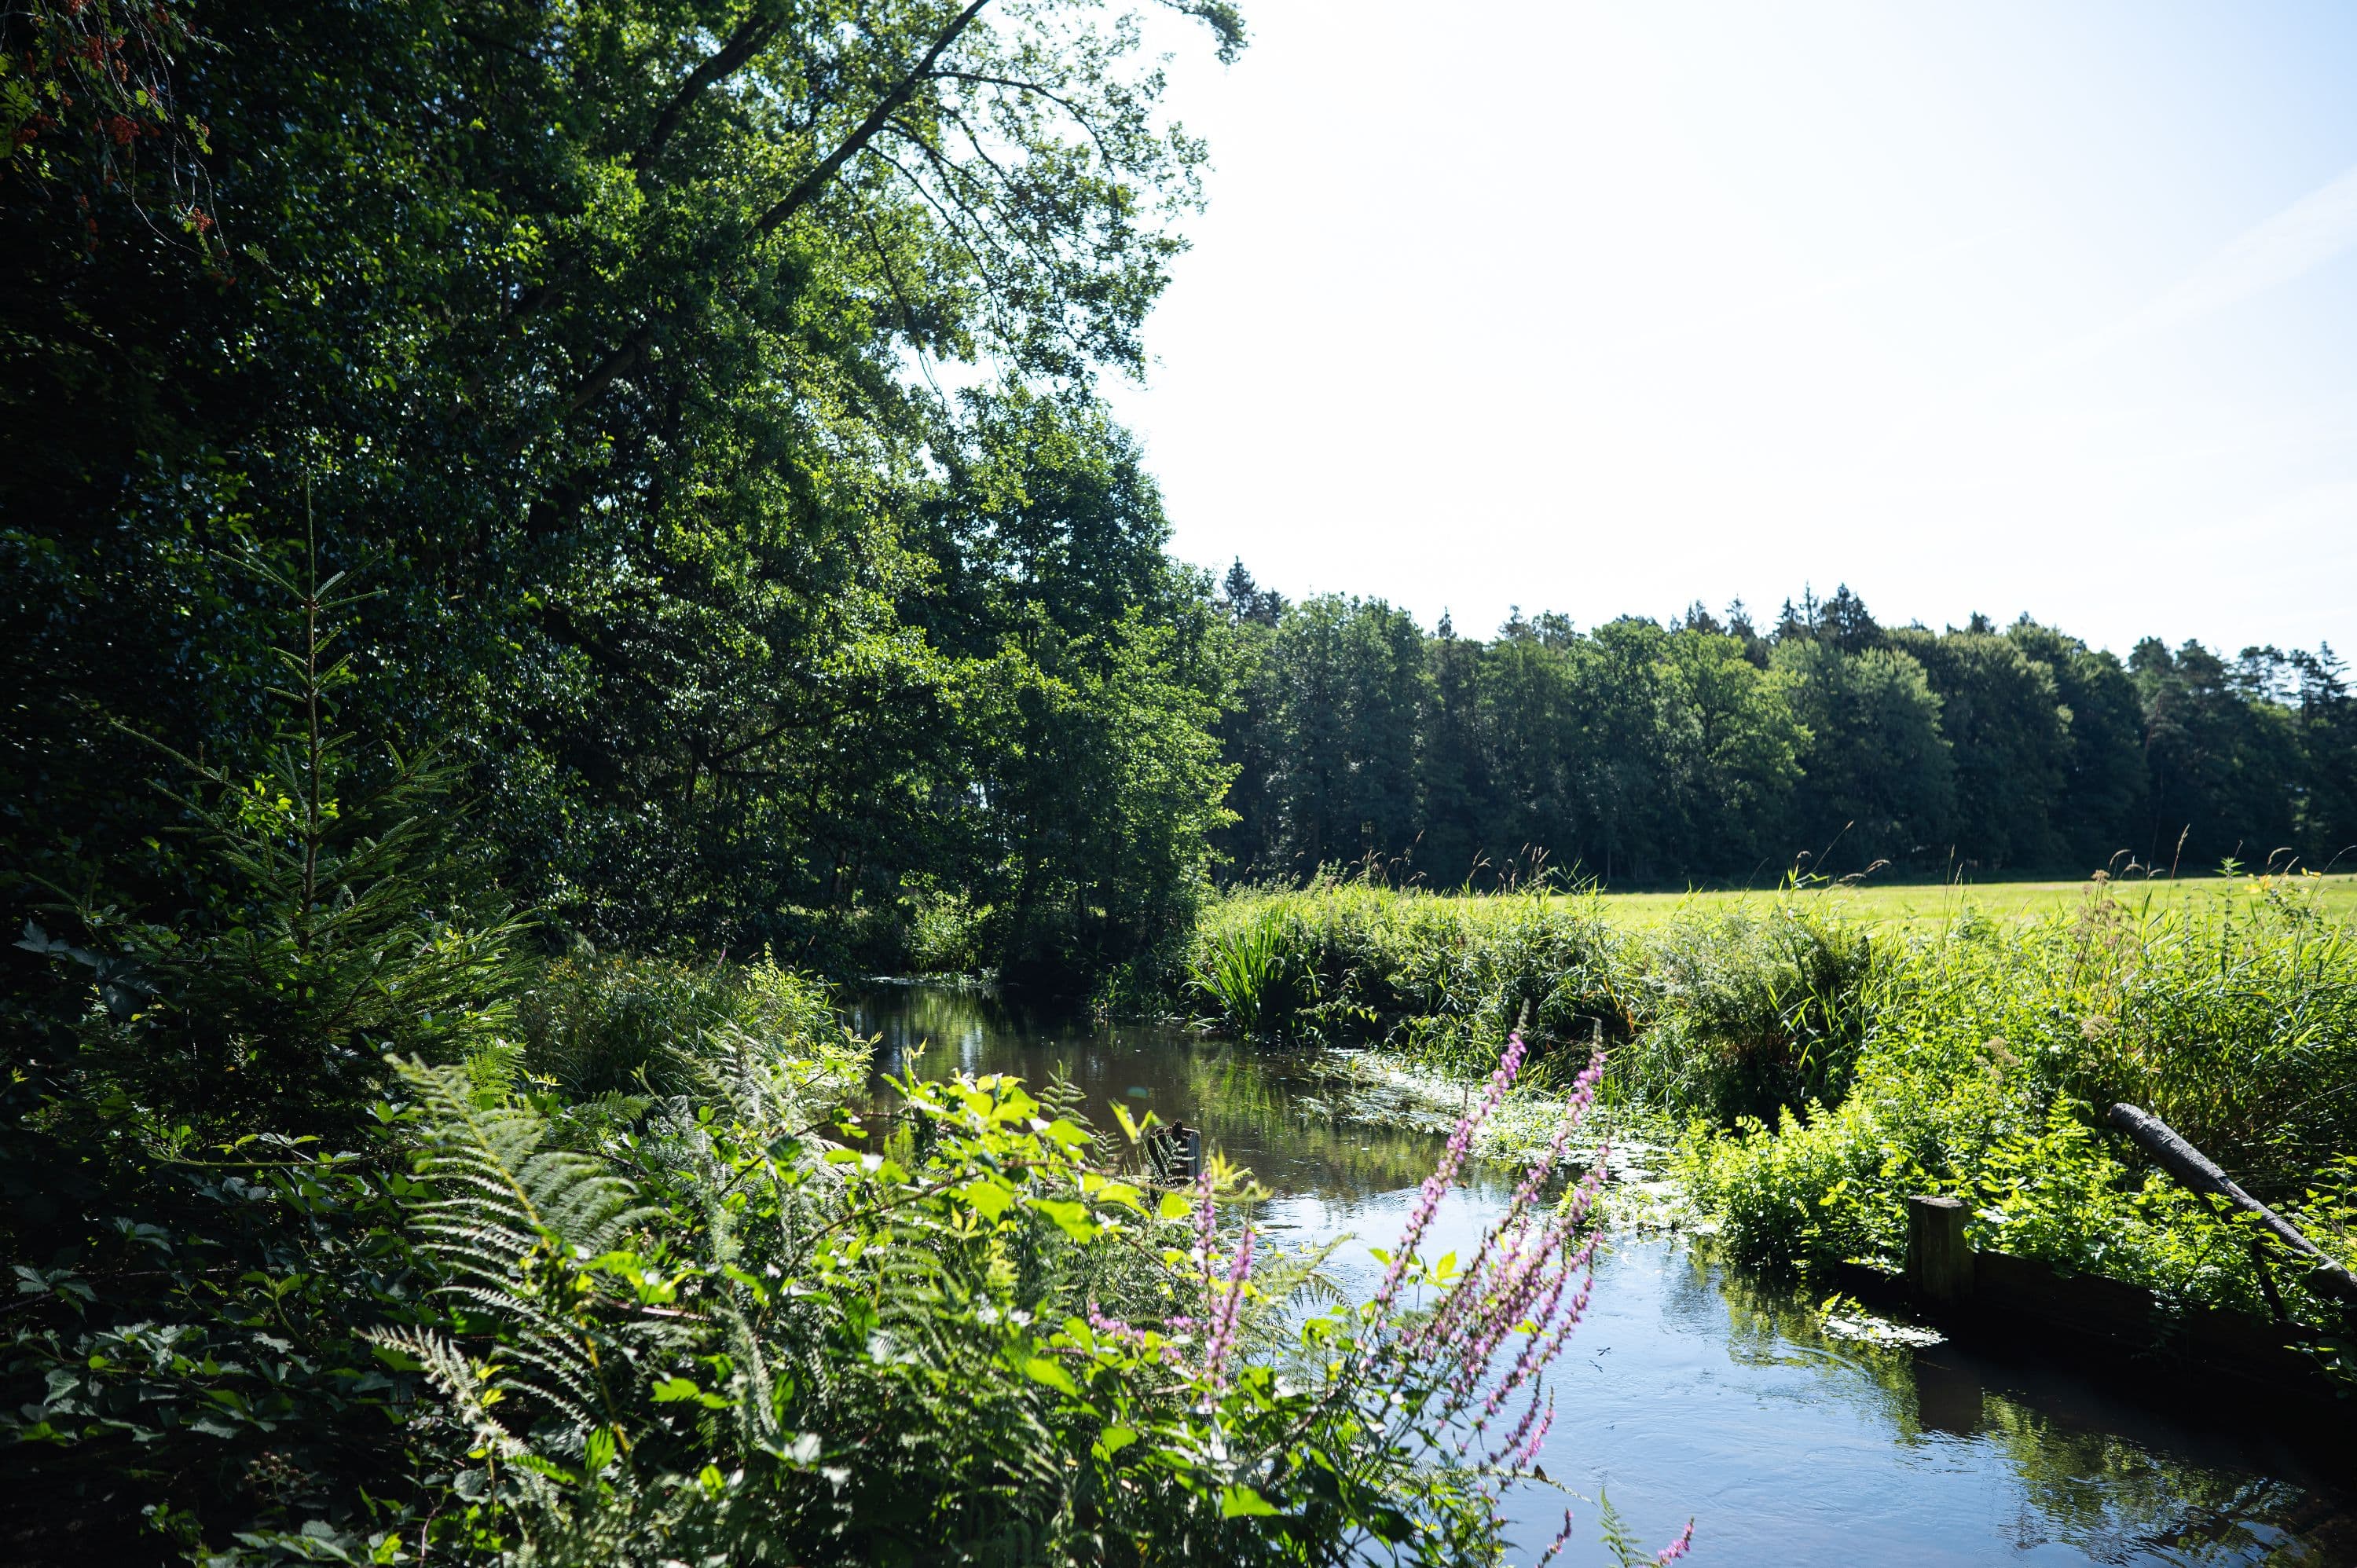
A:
(1693, 1391)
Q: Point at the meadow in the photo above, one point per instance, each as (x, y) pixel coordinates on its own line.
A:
(1925, 904)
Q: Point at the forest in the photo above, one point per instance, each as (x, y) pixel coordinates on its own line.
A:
(539, 540)
(1709, 752)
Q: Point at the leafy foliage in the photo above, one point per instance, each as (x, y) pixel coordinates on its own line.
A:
(975, 1343)
(606, 338)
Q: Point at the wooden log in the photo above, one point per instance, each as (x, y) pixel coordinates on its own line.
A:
(1939, 1263)
(2200, 1174)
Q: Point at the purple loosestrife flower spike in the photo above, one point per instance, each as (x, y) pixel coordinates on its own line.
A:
(1554, 1547)
(1224, 1316)
(1530, 1450)
(1442, 1325)
(1436, 1185)
(1678, 1547)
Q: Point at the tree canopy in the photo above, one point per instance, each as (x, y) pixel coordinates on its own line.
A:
(1701, 750)
(600, 339)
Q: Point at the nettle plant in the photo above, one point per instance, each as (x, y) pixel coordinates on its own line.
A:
(745, 1333)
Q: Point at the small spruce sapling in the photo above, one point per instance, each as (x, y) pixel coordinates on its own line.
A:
(345, 919)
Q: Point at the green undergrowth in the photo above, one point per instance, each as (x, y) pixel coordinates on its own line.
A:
(592, 1026)
(659, 1280)
(1818, 1068)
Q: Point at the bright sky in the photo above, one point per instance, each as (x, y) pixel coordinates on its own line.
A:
(1604, 308)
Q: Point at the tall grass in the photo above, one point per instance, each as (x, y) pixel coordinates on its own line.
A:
(1737, 1011)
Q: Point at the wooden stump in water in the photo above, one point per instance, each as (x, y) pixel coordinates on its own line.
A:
(1939, 1263)
(1174, 1154)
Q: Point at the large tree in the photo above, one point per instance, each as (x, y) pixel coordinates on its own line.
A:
(594, 337)
(2002, 716)
(1878, 779)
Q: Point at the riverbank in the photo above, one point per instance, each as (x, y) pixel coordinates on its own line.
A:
(1815, 1063)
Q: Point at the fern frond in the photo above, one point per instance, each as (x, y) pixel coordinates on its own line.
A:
(510, 1222)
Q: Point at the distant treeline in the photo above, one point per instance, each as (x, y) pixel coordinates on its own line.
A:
(1711, 749)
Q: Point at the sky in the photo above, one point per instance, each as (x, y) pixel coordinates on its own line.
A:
(1605, 308)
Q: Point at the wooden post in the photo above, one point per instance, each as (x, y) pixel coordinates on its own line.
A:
(1939, 1263)
(1175, 1153)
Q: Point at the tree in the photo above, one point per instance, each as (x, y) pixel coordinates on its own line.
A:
(2101, 809)
(1350, 683)
(1451, 760)
(2219, 754)
(599, 330)
(2002, 716)
(2328, 719)
(1879, 778)
(1732, 749)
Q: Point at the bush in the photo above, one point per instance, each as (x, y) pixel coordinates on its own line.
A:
(1753, 1013)
(1824, 1071)
(748, 1339)
(1986, 1061)
(1446, 979)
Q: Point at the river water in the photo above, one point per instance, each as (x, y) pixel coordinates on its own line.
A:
(1690, 1390)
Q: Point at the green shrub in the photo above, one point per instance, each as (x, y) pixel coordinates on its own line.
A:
(1446, 979)
(1751, 1013)
(946, 932)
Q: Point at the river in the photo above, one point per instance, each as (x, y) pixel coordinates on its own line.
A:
(1692, 1390)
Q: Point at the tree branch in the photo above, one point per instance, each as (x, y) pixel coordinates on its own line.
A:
(751, 38)
(810, 184)
(805, 190)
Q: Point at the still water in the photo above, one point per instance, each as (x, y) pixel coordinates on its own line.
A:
(1691, 1390)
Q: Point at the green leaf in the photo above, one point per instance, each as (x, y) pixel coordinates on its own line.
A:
(675, 1390)
(1113, 1440)
(1243, 1502)
(1041, 1369)
(986, 1198)
(1174, 1207)
(398, 1360)
(1130, 1126)
(1072, 1218)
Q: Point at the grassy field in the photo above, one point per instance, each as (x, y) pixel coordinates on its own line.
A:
(1926, 905)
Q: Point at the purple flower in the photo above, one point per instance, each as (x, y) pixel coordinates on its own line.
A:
(1436, 1185)
(1229, 1299)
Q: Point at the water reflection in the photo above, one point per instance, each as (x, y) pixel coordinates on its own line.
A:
(1279, 1113)
(1691, 1390)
